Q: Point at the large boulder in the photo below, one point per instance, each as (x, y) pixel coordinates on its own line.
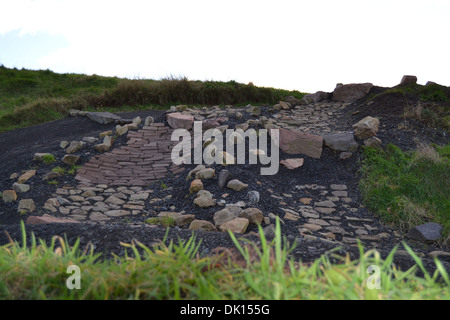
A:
(341, 142)
(366, 128)
(103, 117)
(351, 92)
(408, 80)
(426, 232)
(293, 142)
(314, 97)
(178, 120)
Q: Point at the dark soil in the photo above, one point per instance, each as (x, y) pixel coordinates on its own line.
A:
(19, 146)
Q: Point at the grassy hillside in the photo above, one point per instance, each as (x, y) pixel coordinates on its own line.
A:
(30, 97)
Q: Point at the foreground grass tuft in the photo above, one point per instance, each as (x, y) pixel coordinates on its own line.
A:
(177, 271)
(406, 189)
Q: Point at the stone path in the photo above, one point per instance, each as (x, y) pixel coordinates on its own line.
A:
(145, 159)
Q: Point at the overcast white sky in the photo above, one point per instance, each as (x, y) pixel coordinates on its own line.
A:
(302, 45)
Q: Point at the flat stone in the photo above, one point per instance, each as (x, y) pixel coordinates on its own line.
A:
(202, 225)
(338, 187)
(325, 210)
(51, 175)
(140, 196)
(117, 213)
(292, 164)
(63, 144)
(98, 216)
(306, 201)
(114, 200)
(309, 213)
(340, 193)
(45, 219)
(336, 229)
(237, 225)
(326, 203)
(312, 227)
(90, 139)
(320, 222)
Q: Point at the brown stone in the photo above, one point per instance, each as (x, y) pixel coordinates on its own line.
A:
(27, 175)
(351, 92)
(178, 120)
(196, 186)
(292, 164)
(293, 142)
(9, 196)
(203, 225)
(237, 225)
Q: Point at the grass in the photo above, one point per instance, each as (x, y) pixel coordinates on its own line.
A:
(29, 97)
(407, 189)
(176, 271)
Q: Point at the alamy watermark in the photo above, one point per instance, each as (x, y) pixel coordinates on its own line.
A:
(74, 281)
(374, 281)
(209, 147)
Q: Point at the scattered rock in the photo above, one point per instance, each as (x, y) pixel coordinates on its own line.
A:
(237, 225)
(90, 139)
(222, 216)
(366, 127)
(292, 164)
(148, 121)
(121, 130)
(71, 159)
(345, 155)
(293, 142)
(63, 144)
(180, 121)
(26, 205)
(206, 173)
(106, 145)
(204, 201)
(75, 146)
(341, 142)
(373, 142)
(224, 175)
(254, 215)
(20, 187)
(9, 196)
(26, 176)
(237, 185)
(105, 133)
(51, 175)
(253, 197)
(196, 185)
(202, 225)
(41, 156)
(184, 219)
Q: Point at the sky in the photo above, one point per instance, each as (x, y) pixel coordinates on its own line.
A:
(294, 45)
